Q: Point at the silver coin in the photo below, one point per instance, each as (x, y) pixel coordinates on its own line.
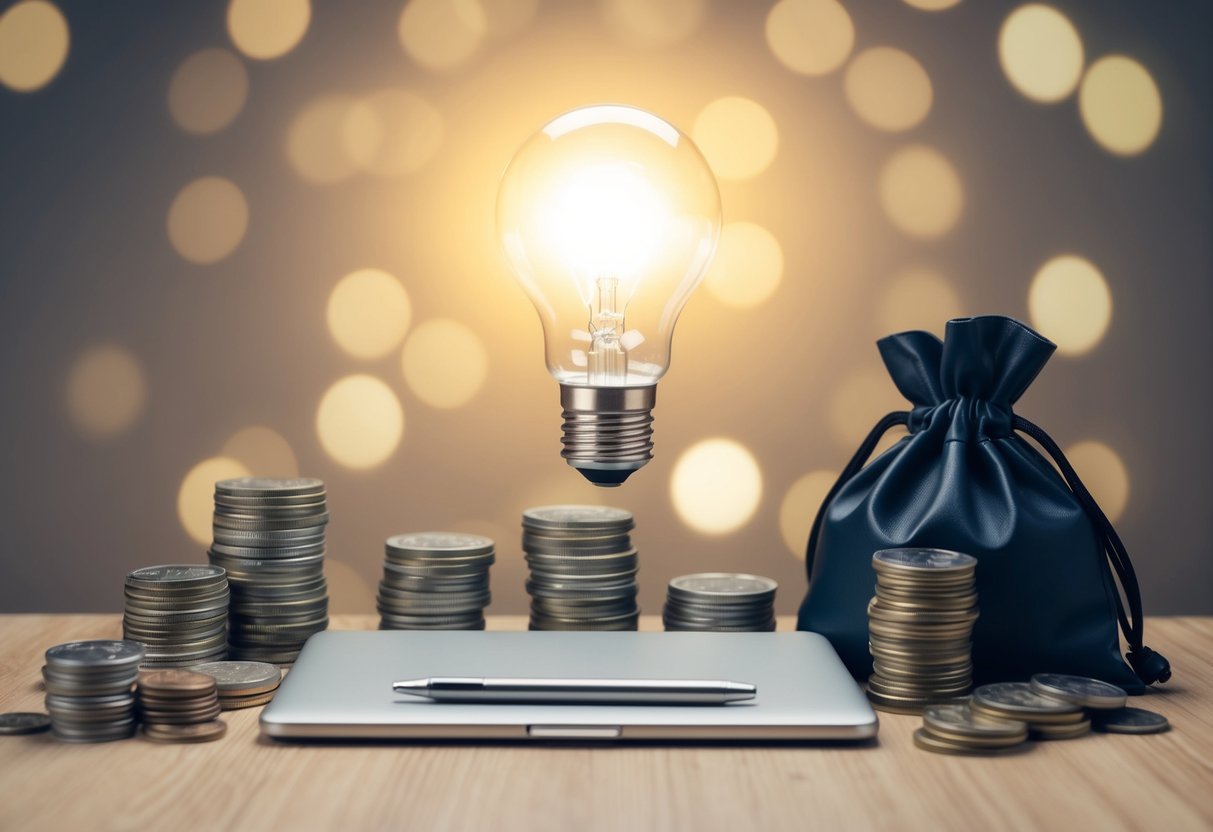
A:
(577, 517)
(1090, 693)
(926, 560)
(245, 523)
(269, 487)
(1020, 698)
(19, 722)
(1129, 721)
(440, 543)
(175, 576)
(722, 585)
(239, 676)
(101, 653)
(960, 719)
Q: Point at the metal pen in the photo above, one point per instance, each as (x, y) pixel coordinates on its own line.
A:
(577, 691)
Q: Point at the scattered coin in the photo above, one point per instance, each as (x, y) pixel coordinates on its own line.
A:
(18, 722)
(1019, 700)
(1089, 693)
(1130, 721)
(929, 742)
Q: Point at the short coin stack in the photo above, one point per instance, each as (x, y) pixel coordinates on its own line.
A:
(920, 628)
(435, 581)
(961, 729)
(583, 568)
(720, 602)
(178, 613)
(179, 706)
(242, 684)
(269, 536)
(1048, 717)
(89, 692)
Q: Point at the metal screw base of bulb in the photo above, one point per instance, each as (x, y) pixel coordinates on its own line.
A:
(608, 431)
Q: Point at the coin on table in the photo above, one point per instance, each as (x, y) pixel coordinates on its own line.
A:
(960, 719)
(196, 732)
(1130, 721)
(1043, 731)
(927, 741)
(245, 678)
(24, 723)
(1090, 693)
(1020, 700)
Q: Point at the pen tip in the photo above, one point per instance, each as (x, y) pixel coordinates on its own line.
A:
(411, 685)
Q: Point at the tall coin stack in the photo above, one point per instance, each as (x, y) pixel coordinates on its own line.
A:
(722, 602)
(269, 536)
(583, 568)
(178, 613)
(920, 628)
(435, 581)
(90, 689)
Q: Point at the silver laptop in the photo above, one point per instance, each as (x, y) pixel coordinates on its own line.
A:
(341, 687)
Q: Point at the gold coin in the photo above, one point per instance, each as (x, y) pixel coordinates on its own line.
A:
(927, 742)
(237, 702)
(197, 732)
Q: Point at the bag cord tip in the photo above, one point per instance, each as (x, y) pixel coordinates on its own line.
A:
(1149, 666)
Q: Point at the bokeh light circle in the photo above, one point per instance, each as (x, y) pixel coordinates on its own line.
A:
(888, 89)
(1070, 304)
(737, 136)
(917, 298)
(799, 507)
(1040, 52)
(207, 220)
(315, 141)
(265, 29)
(34, 41)
(368, 313)
(263, 451)
(392, 132)
(207, 91)
(106, 391)
(858, 403)
(921, 192)
(652, 24)
(811, 37)
(506, 18)
(442, 34)
(1120, 105)
(716, 486)
(445, 363)
(1104, 474)
(196, 496)
(360, 422)
(747, 268)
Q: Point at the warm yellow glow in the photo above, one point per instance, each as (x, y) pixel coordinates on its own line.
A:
(106, 391)
(748, 265)
(349, 592)
(263, 451)
(888, 89)
(208, 91)
(917, 299)
(932, 5)
(1103, 473)
(196, 497)
(812, 37)
(737, 136)
(1041, 52)
(442, 34)
(1120, 105)
(207, 220)
(1070, 304)
(445, 363)
(799, 507)
(315, 140)
(858, 403)
(506, 18)
(360, 422)
(652, 24)
(920, 192)
(392, 132)
(368, 313)
(34, 40)
(716, 486)
(267, 29)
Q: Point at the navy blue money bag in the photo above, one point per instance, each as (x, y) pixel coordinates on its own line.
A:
(965, 479)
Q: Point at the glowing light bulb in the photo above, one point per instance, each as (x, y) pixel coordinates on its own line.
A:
(609, 217)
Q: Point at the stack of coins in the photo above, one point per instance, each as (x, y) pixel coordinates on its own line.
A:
(920, 628)
(242, 684)
(178, 613)
(722, 602)
(269, 536)
(179, 706)
(959, 729)
(583, 568)
(89, 689)
(1048, 717)
(435, 581)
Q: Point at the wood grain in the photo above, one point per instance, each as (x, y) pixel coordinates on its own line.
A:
(246, 782)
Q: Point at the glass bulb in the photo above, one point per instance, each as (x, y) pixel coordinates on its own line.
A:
(609, 217)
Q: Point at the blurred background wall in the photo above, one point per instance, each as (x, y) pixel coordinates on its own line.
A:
(187, 188)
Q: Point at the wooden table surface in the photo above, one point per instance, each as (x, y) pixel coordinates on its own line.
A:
(247, 782)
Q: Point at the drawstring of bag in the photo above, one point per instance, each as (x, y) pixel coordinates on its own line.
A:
(1149, 666)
